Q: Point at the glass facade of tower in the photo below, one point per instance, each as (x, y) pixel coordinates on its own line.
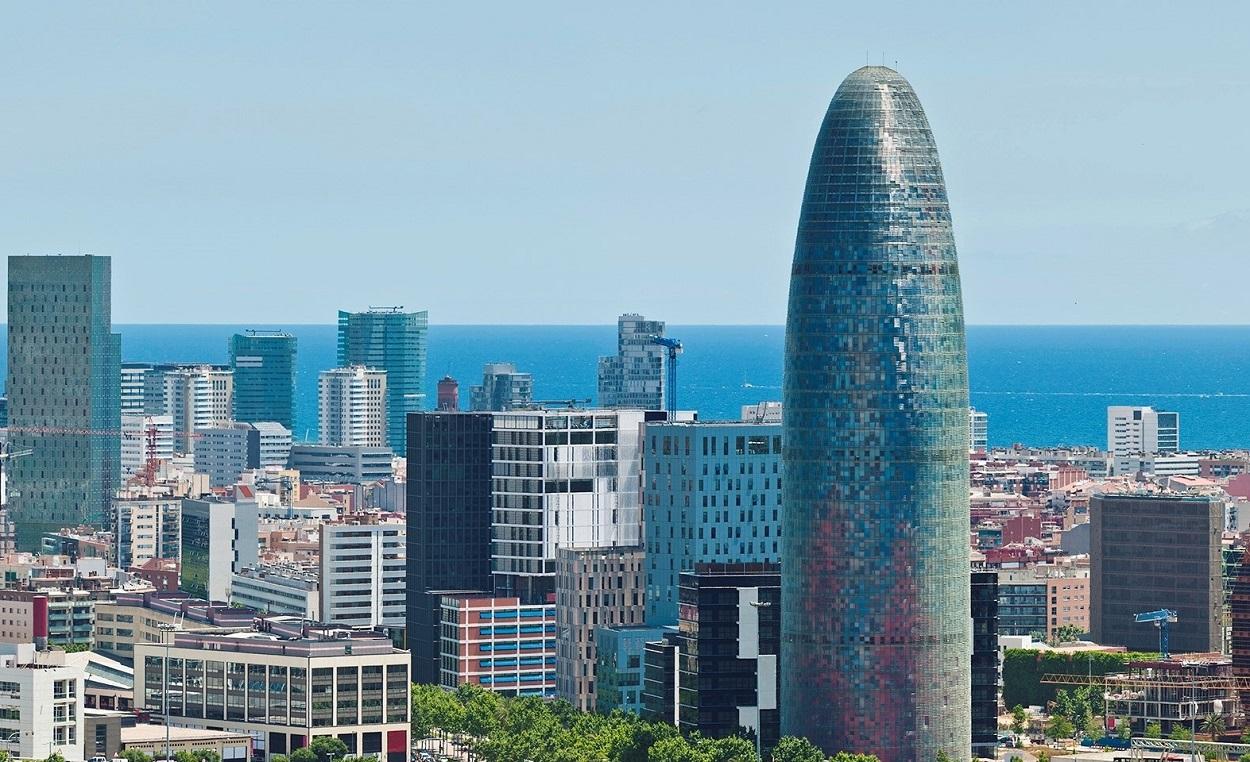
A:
(875, 627)
(393, 341)
(264, 377)
(64, 389)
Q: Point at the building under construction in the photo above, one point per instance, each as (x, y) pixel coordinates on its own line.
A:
(1182, 691)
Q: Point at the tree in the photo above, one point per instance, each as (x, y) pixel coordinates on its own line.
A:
(1244, 758)
(1059, 727)
(138, 755)
(1123, 728)
(1180, 733)
(1154, 730)
(54, 757)
(327, 748)
(846, 756)
(1213, 725)
(279, 758)
(1066, 634)
(303, 754)
(1019, 720)
(1093, 727)
(792, 749)
(942, 756)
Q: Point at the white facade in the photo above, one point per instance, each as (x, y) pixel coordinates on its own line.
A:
(1176, 464)
(273, 444)
(978, 431)
(564, 479)
(41, 704)
(1136, 431)
(331, 463)
(363, 582)
(135, 439)
(197, 397)
(147, 529)
(277, 589)
(763, 412)
(222, 452)
(352, 407)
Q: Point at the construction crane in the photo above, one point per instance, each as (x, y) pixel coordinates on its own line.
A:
(148, 435)
(1161, 619)
(670, 383)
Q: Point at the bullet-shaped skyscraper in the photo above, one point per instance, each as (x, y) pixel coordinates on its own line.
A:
(875, 573)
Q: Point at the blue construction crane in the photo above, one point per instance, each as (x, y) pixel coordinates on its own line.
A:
(670, 390)
(1161, 618)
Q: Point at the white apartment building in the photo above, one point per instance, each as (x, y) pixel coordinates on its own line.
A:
(562, 479)
(147, 528)
(352, 407)
(225, 450)
(363, 579)
(978, 431)
(1136, 431)
(197, 397)
(141, 432)
(277, 589)
(41, 703)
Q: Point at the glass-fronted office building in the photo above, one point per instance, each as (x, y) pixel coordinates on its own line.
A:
(264, 377)
(394, 341)
(875, 552)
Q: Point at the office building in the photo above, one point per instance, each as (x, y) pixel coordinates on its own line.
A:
(635, 376)
(264, 376)
(712, 494)
(363, 575)
(209, 551)
(225, 450)
(41, 706)
(985, 664)
(284, 683)
(503, 388)
(619, 669)
(449, 523)
(978, 431)
(147, 528)
(145, 437)
(61, 616)
(1239, 614)
(351, 464)
(278, 589)
(1129, 576)
(64, 392)
(720, 666)
(498, 643)
(196, 397)
(395, 341)
(595, 587)
(562, 479)
(1136, 431)
(352, 407)
(143, 388)
(875, 552)
(448, 394)
(132, 617)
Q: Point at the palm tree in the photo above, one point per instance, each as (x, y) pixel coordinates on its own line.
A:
(1213, 725)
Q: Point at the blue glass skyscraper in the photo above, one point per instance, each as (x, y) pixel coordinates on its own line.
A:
(264, 376)
(392, 340)
(875, 592)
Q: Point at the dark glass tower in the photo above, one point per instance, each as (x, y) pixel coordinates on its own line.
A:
(875, 574)
(264, 377)
(392, 340)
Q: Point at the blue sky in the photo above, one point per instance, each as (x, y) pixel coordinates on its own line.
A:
(562, 163)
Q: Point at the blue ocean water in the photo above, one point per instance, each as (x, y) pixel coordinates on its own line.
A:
(1041, 385)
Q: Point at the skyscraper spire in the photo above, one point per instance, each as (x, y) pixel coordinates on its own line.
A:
(875, 591)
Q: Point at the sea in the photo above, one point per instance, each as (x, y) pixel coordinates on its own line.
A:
(1041, 385)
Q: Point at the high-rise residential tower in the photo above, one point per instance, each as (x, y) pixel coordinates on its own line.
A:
(64, 389)
(352, 407)
(874, 556)
(634, 376)
(392, 340)
(502, 388)
(264, 376)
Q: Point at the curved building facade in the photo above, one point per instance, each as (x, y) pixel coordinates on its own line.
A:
(876, 641)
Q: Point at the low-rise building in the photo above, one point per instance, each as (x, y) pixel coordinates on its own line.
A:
(499, 644)
(142, 616)
(284, 683)
(277, 589)
(41, 703)
(356, 465)
(154, 740)
(619, 668)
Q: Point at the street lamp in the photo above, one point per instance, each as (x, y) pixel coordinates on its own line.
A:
(167, 630)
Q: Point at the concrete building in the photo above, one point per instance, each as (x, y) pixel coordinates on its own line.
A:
(712, 494)
(62, 616)
(635, 376)
(144, 435)
(225, 450)
(762, 412)
(448, 394)
(134, 617)
(1136, 431)
(619, 668)
(395, 341)
(264, 377)
(64, 379)
(41, 704)
(210, 554)
(449, 505)
(720, 667)
(498, 643)
(153, 739)
(329, 463)
(876, 429)
(503, 388)
(597, 587)
(147, 528)
(1039, 600)
(352, 407)
(1151, 552)
(978, 431)
(363, 571)
(282, 683)
(278, 589)
(196, 397)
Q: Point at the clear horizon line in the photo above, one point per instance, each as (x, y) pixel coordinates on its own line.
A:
(269, 324)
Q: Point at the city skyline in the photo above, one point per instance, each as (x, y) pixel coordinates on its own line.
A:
(281, 158)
